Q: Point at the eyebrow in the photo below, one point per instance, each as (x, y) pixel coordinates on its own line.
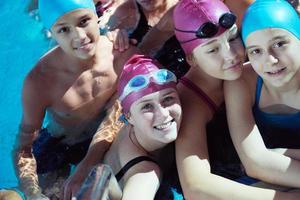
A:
(81, 18)
(272, 40)
(278, 37)
(208, 43)
(149, 100)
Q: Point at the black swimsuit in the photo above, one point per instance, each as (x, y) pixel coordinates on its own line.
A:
(130, 164)
(171, 55)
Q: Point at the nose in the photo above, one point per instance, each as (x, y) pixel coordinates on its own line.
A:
(272, 59)
(229, 53)
(162, 112)
(79, 34)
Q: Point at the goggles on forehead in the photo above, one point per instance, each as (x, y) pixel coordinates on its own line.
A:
(139, 82)
(210, 29)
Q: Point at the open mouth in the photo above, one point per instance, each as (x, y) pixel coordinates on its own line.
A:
(164, 125)
(276, 72)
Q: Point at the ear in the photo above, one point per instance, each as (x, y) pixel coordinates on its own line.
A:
(191, 60)
(129, 118)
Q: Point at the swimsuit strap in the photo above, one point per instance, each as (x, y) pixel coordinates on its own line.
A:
(259, 84)
(131, 163)
(189, 84)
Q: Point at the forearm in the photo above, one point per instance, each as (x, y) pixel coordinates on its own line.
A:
(292, 153)
(25, 164)
(274, 168)
(26, 172)
(154, 40)
(212, 187)
(105, 135)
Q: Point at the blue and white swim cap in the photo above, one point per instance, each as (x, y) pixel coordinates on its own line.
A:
(263, 14)
(51, 10)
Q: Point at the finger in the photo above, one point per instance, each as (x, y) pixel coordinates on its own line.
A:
(126, 39)
(109, 35)
(120, 41)
(133, 41)
(67, 194)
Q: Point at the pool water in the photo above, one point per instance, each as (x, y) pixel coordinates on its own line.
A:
(22, 42)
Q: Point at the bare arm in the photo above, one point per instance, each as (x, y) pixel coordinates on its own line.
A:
(192, 158)
(292, 153)
(141, 182)
(33, 113)
(258, 161)
(101, 142)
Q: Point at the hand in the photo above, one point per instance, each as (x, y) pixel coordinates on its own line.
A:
(120, 39)
(74, 182)
(9, 195)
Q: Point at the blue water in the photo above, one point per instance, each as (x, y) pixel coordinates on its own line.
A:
(21, 44)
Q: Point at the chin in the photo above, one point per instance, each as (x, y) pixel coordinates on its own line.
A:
(170, 137)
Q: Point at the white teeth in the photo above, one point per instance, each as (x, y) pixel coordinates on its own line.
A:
(275, 72)
(164, 125)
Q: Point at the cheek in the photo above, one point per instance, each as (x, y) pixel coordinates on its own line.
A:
(176, 111)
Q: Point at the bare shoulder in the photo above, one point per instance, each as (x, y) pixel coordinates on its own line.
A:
(193, 106)
(42, 74)
(196, 114)
(244, 87)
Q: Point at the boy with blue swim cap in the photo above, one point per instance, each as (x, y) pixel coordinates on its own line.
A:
(264, 120)
(73, 85)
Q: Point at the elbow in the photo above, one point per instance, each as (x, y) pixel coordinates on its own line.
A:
(258, 170)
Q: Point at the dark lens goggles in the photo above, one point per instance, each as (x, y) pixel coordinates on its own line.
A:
(210, 29)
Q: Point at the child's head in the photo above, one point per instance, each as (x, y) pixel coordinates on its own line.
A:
(74, 25)
(207, 32)
(271, 34)
(149, 99)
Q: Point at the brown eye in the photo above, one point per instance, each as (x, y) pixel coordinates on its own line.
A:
(84, 22)
(147, 107)
(63, 30)
(255, 52)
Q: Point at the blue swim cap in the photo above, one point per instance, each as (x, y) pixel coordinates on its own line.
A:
(263, 14)
(51, 10)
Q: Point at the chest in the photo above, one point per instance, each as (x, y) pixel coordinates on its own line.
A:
(85, 94)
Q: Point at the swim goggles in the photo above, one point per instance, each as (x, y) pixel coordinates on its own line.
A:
(139, 82)
(210, 29)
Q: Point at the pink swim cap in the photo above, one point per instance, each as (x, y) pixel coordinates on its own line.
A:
(190, 15)
(140, 77)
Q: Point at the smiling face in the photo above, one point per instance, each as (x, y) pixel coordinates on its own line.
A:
(222, 56)
(274, 55)
(77, 33)
(156, 117)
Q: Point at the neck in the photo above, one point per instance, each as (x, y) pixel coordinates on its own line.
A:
(149, 147)
(77, 65)
(153, 16)
(200, 78)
